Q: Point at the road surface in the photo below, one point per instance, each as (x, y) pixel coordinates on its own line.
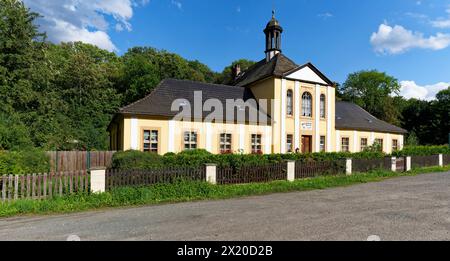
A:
(404, 208)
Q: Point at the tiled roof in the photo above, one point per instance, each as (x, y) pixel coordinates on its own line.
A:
(277, 66)
(159, 101)
(350, 116)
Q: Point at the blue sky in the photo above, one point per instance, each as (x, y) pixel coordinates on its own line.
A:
(409, 39)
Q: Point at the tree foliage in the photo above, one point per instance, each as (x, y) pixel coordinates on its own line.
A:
(226, 76)
(428, 122)
(373, 91)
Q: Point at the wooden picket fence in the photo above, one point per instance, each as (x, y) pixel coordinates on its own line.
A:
(424, 161)
(318, 168)
(252, 174)
(79, 160)
(120, 178)
(43, 185)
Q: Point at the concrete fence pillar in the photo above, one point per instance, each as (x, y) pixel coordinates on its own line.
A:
(211, 173)
(348, 166)
(290, 170)
(98, 179)
(408, 163)
(441, 160)
(393, 164)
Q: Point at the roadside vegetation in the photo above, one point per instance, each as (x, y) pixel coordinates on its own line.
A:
(127, 160)
(183, 191)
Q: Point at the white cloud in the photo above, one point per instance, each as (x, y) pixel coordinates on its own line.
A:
(238, 9)
(178, 4)
(442, 22)
(325, 15)
(83, 20)
(409, 89)
(397, 39)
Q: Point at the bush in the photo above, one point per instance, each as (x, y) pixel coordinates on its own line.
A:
(197, 158)
(24, 162)
(133, 159)
(422, 150)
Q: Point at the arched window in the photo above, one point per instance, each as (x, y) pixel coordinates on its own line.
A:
(322, 106)
(306, 104)
(289, 103)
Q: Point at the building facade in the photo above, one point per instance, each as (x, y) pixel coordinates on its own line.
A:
(295, 106)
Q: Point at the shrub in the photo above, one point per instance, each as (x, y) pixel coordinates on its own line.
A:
(133, 159)
(197, 158)
(24, 162)
(422, 150)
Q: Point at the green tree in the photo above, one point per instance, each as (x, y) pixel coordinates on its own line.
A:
(144, 67)
(86, 82)
(373, 91)
(21, 50)
(226, 76)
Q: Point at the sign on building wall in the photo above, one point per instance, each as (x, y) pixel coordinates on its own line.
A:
(306, 125)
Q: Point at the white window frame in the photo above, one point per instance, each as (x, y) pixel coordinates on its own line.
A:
(150, 141)
(224, 144)
(347, 146)
(256, 143)
(307, 104)
(323, 106)
(190, 144)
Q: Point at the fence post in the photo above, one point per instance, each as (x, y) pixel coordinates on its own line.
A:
(211, 173)
(408, 163)
(394, 164)
(441, 160)
(348, 166)
(290, 170)
(98, 179)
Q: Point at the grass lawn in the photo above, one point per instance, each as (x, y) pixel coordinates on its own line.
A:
(189, 191)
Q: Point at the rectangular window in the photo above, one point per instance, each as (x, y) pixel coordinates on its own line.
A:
(379, 142)
(394, 145)
(190, 140)
(289, 146)
(345, 145)
(363, 144)
(150, 141)
(256, 144)
(322, 143)
(225, 143)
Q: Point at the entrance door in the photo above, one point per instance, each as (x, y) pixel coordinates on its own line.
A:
(306, 144)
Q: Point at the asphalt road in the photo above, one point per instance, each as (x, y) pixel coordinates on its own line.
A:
(405, 208)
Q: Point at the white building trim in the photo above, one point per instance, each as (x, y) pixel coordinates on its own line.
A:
(297, 115)
(338, 141)
(134, 134)
(268, 139)
(283, 116)
(317, 119)
(355, 138)
(388, 148)
(242, 137)
(171, 137)
(372, 138)
(209, 137)
(329, 117)
(306, 74)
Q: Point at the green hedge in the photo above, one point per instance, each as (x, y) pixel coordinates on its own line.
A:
(422, 150)
(193, 158)
(24, 162)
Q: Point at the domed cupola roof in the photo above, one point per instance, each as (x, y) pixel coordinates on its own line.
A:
(273, 24)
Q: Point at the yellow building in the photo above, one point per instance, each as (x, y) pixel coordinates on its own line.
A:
(275, 106)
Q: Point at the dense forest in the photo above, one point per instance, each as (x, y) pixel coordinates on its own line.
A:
(63, 96)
